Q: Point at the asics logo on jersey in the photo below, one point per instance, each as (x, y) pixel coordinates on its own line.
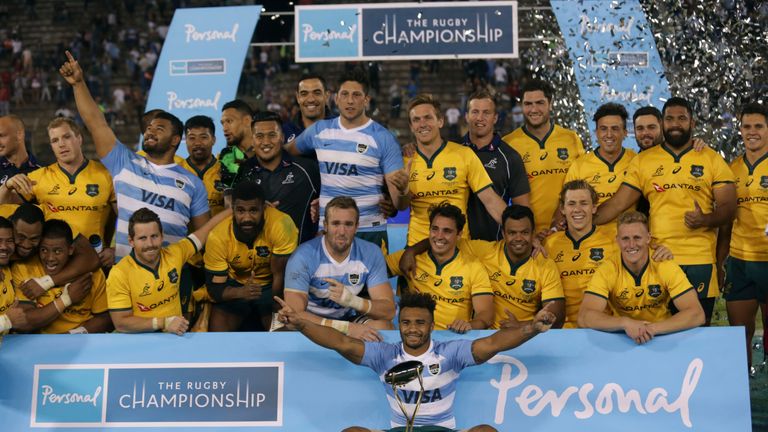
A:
(700, 287)
(72, 190)
(430, 175)
(612, 179)
(575, 257)
(437, 283)
(543, 156)
(749, 182)
(639, 293)
(676, 170)
(338, 168)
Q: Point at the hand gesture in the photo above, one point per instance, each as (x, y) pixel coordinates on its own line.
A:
(662, 253)
(252, 290)
(459, 326)
(409, 150)
(338, 292)
(21, 184)
(698, 144)
(386, 206)
(363, 332)
(71, 70)
(407, 264)
(544, 319)
(538, 245)
(288, 316)
(696, 218)
(401, 177)
(17, 316)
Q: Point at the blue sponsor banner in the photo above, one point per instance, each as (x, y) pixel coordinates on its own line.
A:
(562, 380)
(200, 65)
(401, 31)
(614, 56)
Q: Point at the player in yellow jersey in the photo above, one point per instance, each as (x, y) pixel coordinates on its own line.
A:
(11, 314)
(639, 289)
(76, 314)
(746, 241)
(691, 194)
(200, 134)
(143, 288)
(442, 170)
(74, 189)
(245, 260)
(547, 149)
(454, 278)
(604, 168)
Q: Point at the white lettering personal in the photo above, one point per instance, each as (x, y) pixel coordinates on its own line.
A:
(50, 397)
(210, 35)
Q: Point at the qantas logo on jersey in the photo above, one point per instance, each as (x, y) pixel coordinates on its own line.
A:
(55, 209)
(658, 188)
(583, 272)
(158, 200)
(548, 171)
(152, 306)
(441, 192)
(338, 168)
(667, 186)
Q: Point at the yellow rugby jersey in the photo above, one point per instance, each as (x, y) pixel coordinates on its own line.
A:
(605, 177)
(6, 210)
(210, 176)
(452, 284)
(83, 200)
(748, 241)
(7, 293)
(522, 287)
(75, 315)
(576, 262)
(546, 163)
(150, 293)
(643, 297)
(671, 184)
(225, 255)
(452, 172)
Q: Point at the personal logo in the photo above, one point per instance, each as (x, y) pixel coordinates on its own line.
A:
(764, 182)
(562, 153)
(596, 254)
(54, 190)
(612, 179)
(491, 164)
(449, 173)
(659, 171)
(697, 170)
(430, 175)
(147, 290)
(173, 276)
(354, 278)
(576, 257)
(92, 190)
(654, 290)
(262, 251)
(289, 179)
(658, 188)
(180, 184)
(529, 286)
(457, 282)
(362, 148)
(676, 169)
(543, 155)
(434, 369)
(423, 277)
(72, 190)
(161, 286)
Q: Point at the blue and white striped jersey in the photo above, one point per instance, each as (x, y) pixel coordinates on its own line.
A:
(443, 363)
(174, 193)
(311, 263)
(353, 162)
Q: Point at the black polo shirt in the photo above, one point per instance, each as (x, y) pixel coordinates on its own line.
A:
(505, 167)
(8, 169)
(294, 183)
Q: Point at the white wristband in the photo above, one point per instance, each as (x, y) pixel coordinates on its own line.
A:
(5, 323)
(45, 282)
(350, 300)
(342, 326)
(168, 321)
(79, 330)
(155, 324)
(65, 298)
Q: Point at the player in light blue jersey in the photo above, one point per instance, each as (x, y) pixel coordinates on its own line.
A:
(416, 324)
(358, 158)
(326, 278)
(154, 181)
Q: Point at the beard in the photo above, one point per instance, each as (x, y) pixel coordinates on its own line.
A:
(677, 141)
(247, 237)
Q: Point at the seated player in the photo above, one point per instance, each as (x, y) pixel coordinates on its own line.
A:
(11, 315)
(326, 278)
(143, 288)
(78, 307)
(639, 289)
(453, 277)
(245, 259)
(416, 322)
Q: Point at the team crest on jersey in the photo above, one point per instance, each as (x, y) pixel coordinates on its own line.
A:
(764, 182)
(145, 291)
(354, 278)
(659, 171)
(434, 369)
(173, 276)
(654, 290)
(527, 157)
(91, 190)
(596, 254)
(449, 173)
(180, 184)
(491, 164)
(422, 277)
(562, 153)
(262, 251)
(362, 148)
(457, 282)
(54, 190)
(529, 286)
(697, 170)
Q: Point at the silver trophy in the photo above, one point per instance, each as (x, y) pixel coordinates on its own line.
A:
(400, 375)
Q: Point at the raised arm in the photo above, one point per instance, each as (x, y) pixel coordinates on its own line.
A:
(202, 232)
(624, 198)
(349, 348)
(507, 338)
(103, 137)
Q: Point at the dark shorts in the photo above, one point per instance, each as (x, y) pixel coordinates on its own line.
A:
(378, 238)
(746, 280)
(703, 277)
(248, 307)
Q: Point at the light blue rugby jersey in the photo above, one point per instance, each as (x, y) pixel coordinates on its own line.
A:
(175, 194)
(311, 263)
(443, 363)
(353, 163)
